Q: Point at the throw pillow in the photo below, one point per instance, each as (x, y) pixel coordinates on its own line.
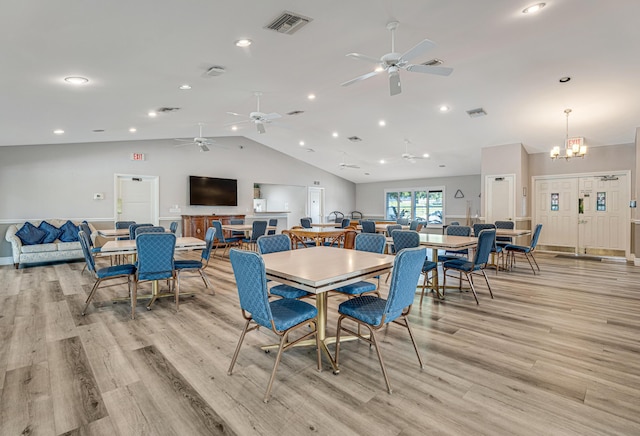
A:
(69, 232)
(52, 231)
(30, 234)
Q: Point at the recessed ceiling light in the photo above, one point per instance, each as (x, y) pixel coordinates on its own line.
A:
(564, 79)
(444, 108)
(76, 80)
(533, 8)
(133, 130)
(382, 123)
(311, 96)
(334, 134)
(152, 114)
(301, 143)
(382, 161)
(426, 155)
(58, 131)
(234, 128)
(243, 42)
(185, 87)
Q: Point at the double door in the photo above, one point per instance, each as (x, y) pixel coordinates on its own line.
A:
(584, 215)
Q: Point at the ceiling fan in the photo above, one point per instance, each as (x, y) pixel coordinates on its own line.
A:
(411, 157)
(201, 142)
(394, 62)
(258, 118)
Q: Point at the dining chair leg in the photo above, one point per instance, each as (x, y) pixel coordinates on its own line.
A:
(534, 260)
(93, 291)
(283, 340)
(384, 370)
(473, 288)
(413, 340)
(486, 279)
(235, 353)
(206, 281)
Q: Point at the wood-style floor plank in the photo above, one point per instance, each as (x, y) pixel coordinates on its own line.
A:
(557, 353)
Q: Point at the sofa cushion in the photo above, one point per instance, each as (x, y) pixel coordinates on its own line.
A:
(69, 232)
(68, 246)
(39, 248)
(53, 232)
(30, 234)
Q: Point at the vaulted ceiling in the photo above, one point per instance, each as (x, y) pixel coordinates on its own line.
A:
(136, 55)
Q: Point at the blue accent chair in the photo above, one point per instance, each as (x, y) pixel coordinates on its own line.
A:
(196, 265)
(368, 226)
(133, 227)
(111, 272)
(155, 262)
(527, 252)
(486, 240)
(403, 239)
(173, 227)
(375, 312)
(222, 241)
(305, 222)
(273, 222)
(282, 316)
(258, 228)
(373, 243)
(273, 244)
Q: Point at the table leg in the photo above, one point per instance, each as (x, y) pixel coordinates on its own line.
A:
(436, 282)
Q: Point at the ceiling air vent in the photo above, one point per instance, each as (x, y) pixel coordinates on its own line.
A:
(354, 139)
(433, 63)
(295, 113)
(288, 23)
(214, 71)
(166, 110)
(475, 113)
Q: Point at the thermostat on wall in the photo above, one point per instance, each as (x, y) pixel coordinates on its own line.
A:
(98, 196)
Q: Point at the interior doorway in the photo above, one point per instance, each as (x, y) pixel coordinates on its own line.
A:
(500, 200)
(137, 198)
(316, 204)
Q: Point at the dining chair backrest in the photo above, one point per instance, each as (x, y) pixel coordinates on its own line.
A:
(273, 222)
(237, 233)
(258, 228)
(173, 227)
(155, 255)
(85, 228)
(217, 224)
(413, 225)
(86, 250)
(478, 227)
(273, 243)
(392, 227)
(133, 227)
(403, 221)
(236, 221)
(149, 229)
(508, 225)
(405, 239)
(336, 216)
(345, 222)
(458, 230)
(486, 242)
(371, 242)
(536, 235)
(454, 223)
(305, 222)
(208, 239)
(368, 226)
(350, 239)
(120, 225)
(356, 215)
(250, 273)
(407, 267)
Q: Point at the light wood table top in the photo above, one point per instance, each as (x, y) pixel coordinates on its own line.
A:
(242, 227)
(113, 233)
(326, 224)
(129, 246)
(512, 232)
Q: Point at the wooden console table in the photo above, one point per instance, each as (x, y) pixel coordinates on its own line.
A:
(196, 225)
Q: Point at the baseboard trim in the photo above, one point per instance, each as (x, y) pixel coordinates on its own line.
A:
(6, 260)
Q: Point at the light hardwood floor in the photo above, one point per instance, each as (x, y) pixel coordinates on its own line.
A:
(552, 354)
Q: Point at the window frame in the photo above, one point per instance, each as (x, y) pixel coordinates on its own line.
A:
(413, 191)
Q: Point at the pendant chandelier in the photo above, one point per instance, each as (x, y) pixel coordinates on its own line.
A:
(573, 147)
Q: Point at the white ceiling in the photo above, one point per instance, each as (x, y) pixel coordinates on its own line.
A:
(137, 53)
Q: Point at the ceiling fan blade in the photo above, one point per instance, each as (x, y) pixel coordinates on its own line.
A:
(236, 114)
(203, 147)
(359, 78)
(271, 116)
(394, 83)
(440, 71)
(364, 58)
(235, 123)
(183, 140)
(261, 128)
(419, 49)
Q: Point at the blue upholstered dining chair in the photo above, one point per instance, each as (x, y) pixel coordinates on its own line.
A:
(305, 222)
(258, 228)
(403, 239)
(149, 229)
(486, 240)
(497, 249)
(108, 273)
(455, 254)
(237, 233)
(416, 225)
(121, 225)
(155, 262)
(282, 316)
(345, 222)
(501, 241)
(526, 251)
(372, 243)
(273, 222)
(454, 223)
(273, 244)
(133, 227)
(375, 312)
(222, 241)
(93, 249)
(198, 266)
(368, 226)
(403, 221)
(390, 229)
(173, 227)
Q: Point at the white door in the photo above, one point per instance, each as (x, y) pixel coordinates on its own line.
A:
(316, 204)
(137, 198)
(556, 208)
(500, 198)
(603, 215)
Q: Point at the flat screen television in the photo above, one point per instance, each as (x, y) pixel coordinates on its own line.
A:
(211, 191)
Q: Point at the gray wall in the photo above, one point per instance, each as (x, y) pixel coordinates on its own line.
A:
(58, 181)
(370, 196)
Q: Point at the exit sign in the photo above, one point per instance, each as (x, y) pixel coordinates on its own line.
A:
(575, 142)
(137, 156)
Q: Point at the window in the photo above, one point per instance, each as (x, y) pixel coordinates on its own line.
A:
(426, 204)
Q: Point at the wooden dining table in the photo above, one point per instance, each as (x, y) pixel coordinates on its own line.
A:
(318, 234)
(326, 224)
(246, 228)
(320, 269)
